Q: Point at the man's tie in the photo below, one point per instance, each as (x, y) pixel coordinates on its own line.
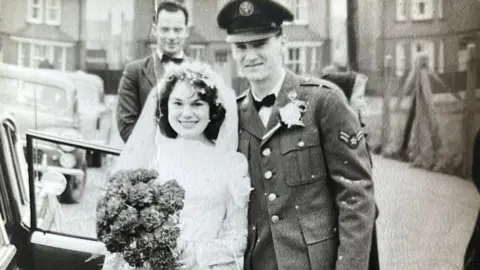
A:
(267, 101)
(167, 58)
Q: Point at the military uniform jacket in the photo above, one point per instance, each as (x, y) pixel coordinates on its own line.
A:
(312, 205)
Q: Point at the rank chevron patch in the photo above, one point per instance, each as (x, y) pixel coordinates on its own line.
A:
(352, 141)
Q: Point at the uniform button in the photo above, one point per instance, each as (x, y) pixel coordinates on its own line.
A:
(334, 229)
(340, 257)
(275, 219)
(268, 174)
(301, 143)
(272, 197)
(254, 228)
(266, 152)
(296, 207)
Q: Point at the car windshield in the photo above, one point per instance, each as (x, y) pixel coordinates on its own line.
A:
(40, 96)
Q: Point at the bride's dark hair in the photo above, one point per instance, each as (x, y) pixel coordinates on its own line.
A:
(205, 91)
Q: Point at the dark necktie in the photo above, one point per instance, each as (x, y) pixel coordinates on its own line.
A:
(167, 58)
(267, 101)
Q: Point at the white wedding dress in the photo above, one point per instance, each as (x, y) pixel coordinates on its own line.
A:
(214, 217)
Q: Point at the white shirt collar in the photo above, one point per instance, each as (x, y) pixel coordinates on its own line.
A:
(276, 89)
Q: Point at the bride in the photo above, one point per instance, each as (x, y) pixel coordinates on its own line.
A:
(188, 132)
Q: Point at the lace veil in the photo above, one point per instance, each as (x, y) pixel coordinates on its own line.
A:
(143, 145)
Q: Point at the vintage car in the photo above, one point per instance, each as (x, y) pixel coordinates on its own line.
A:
(34, 233)
(15, 204)
(45, 102)
(95, 117)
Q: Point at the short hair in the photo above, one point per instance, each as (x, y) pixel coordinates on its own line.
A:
(171, 6)
(210, 95)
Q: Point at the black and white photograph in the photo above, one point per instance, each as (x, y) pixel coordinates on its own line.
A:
(239, 134)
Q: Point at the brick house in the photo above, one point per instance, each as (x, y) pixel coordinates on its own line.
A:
(403, 29)
(35, 31)
(308, 42)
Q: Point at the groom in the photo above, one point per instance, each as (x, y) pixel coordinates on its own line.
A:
(313, 204)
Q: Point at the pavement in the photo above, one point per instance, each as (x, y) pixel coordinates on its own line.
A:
(426, 218)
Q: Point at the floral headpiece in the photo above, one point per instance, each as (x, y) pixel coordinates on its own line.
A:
(196, 79)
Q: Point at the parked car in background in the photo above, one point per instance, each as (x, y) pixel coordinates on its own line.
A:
(15, 201)
(95, 117)
(46, 102)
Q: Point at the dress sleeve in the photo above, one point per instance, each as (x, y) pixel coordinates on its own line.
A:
(227, 250)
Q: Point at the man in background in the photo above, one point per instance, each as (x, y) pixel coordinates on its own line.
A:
(170, 25)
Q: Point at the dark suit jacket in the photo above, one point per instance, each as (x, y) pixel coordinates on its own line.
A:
(137, 81)
(308, 210)
(472, 254)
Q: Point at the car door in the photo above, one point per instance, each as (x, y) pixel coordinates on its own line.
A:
(73, 244)
(7, 250)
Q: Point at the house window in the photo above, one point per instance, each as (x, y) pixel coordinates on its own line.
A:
(35, 11)
(33, 54)
(422, 10)
(296, 59)
(196, 52)
(400, 59)
(299, 9)
(401, 10)
(53, 12)
(44, 11)
(423, 48)
(221, 56)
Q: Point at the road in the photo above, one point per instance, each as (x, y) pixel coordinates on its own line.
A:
(425, 218)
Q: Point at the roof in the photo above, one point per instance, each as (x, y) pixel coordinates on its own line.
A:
(44, 32)
(301, 33)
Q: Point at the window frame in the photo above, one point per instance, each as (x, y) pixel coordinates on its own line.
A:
(429, 10)
(302, 59)
(40, 6)
(400, 60)
(401, 10)
(429, 46)
(48, 7)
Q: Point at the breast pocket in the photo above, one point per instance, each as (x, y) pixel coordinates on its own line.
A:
(304, 157)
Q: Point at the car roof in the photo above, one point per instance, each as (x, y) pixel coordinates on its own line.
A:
(37, 75)
(6, 115)
(79, 76)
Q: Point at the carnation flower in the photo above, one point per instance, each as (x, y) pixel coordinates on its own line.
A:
(113, 205)
(140, 195)
(143, 176)
(150, 218)
(138, 218)
(162, 258)
(132, 256)
(126, 221)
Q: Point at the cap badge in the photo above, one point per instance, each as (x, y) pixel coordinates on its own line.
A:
(246, 8)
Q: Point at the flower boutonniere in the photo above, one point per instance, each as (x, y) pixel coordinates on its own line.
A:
(292, 113)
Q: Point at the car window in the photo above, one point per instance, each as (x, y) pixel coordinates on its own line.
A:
(16, 164)
(22, 93)
(87, 93)
(75, 214)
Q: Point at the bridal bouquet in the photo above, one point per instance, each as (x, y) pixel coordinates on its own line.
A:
(138, 218)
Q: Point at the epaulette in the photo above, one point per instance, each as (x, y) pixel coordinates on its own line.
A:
(242, 95)
(310, 81)
(316, 82)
